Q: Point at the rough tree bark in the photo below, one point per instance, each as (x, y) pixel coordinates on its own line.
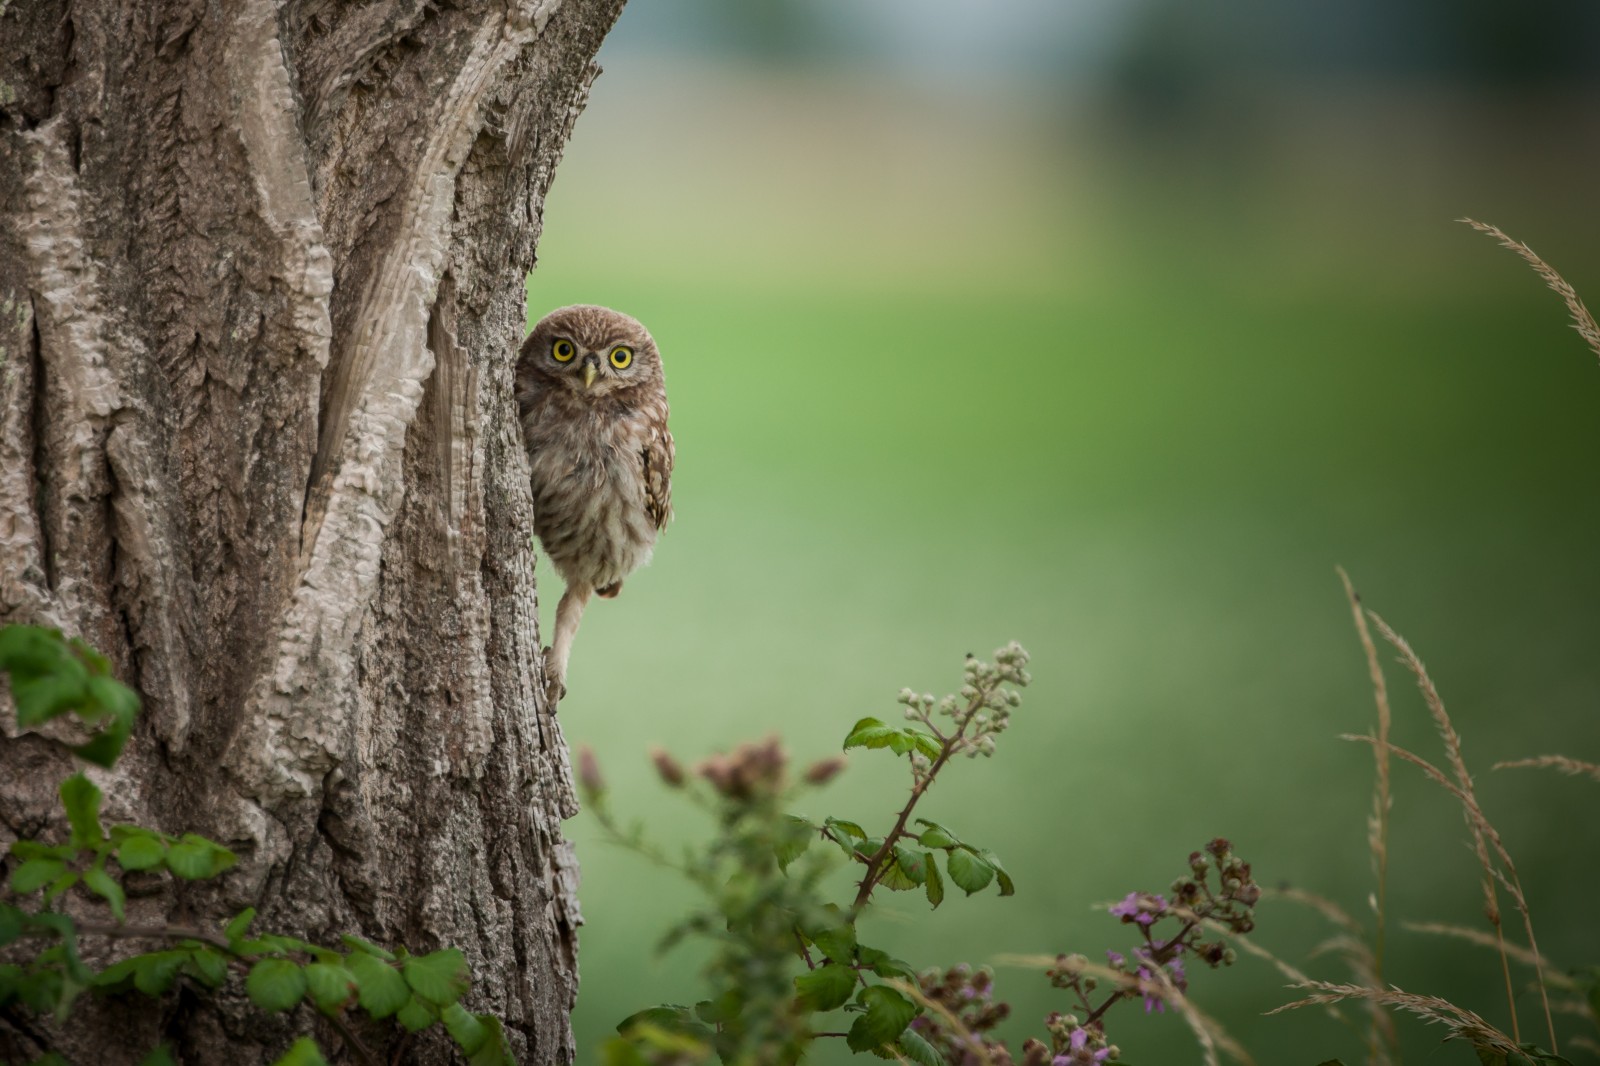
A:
(261, 286)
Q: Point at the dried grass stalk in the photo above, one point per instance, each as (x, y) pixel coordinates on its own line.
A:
(1557, 762)
(1582, 320)
(1462, 1023)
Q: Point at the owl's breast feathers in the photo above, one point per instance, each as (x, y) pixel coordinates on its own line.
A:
(601, 475)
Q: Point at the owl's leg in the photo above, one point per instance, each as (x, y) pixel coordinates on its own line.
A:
(569, 612)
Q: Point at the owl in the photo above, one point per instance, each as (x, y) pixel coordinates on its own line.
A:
(593, 406)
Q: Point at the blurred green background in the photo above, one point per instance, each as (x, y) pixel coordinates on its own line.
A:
(1114, 328)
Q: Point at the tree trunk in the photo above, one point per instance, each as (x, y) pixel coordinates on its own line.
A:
(261, 287)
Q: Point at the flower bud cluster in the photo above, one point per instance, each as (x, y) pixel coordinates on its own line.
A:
(968, 995)
(750, 771)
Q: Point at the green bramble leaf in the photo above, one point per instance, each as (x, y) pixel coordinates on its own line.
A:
(833, 935)
(494, 1051)
(968, 871)
(826, 987)
(82, 801)
(928, 746)
(208, 966)
(275, 984)
(725, 1008)
(440, 977)
(886, 1017)
(32, 849)
(367, 946)
(155, 972)
(239, 925)
(936, 836)
(900, 742)
(61, 884)
(934, 886)
(40, 699)
(870, 733)
(464, 1027)
(794, 837)
(383, 990)
(913, 863)
(96, 880)
(194, 858)
(673, 1017)
(113, 697)
(12, 977)
(34, 874)
(1004, 879)
(30, 651)
(11, 923)
(918, 1050)
(303, 1052)
(332, 987)
(416, 1014)
(141, 853)
(847, 828)
(885, 965)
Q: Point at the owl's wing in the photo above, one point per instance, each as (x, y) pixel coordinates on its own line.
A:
(658, 475)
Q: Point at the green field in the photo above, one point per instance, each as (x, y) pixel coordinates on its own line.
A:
(939, 382)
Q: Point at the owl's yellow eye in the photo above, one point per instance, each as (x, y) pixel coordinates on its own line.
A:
(563, 351)
(621, 357)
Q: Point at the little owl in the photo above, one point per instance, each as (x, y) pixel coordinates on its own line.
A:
(594, 420)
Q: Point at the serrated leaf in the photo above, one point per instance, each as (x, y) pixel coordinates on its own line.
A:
(886, 1017)
(937, 836)
(28, 651)
(833, 935)
(96, 880)
(303, 1052)
(113, 696)
(194, 858)
(367, 946)
(934, 885)
(900, 742)
(32, 849)
(275, 984)
(794, 837)
(61, 884)
(439, 977)
(105, 747)
(826, 987)
(913, 863)
(42, 698)
(82, 801)
(846, 827)
(928, 746)
(140, 853)
(332, 987)
(885, 965)
(494, 1051)
(34, 874)
(870, 733)
(209, 966)
(918, 1050)
(464, 1027)
(154, 973)
(416, 1014)
(383, 990)
(968, 871)
(673, 1017)
(11, 923)
(1004, 879)
(239, 925)
(724, 1008)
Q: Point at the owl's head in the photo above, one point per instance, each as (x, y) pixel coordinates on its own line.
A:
(592, 351)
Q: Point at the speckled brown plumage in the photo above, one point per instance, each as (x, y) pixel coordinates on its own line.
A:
(595, 425)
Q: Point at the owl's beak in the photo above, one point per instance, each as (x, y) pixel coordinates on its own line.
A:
(590, 369)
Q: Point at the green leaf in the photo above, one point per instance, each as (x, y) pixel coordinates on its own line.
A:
(934, 886)
(367, 946)
(826, 987)
(40, 699)
(11, 978)
(35, 874)
(194, 858)
(11, 923)
(416, 1014)
(1006, 887)
(725, 1008)
(885, 965)
(900, 742)
(332, 987)
(848, 828)
(61, 884)
(209, 966)
(82, 800)
(32, 849)
(96, 880)
(673, 1017)
(114, 697)
(914, 864)
(28, 651)
(303, 1052)
(833, 935)
(494, 1051)
(794, 837)
(928, 746)
(918, 1050)
(968, 871)
(159, 1057)
(104, 747)
(383, 990)
(239, 925)
(154, 973)
(141, 853)
(275, 984)
(870, 733)
(937, 836)
(464, 1027)
(886, 1017)
(440, 977)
